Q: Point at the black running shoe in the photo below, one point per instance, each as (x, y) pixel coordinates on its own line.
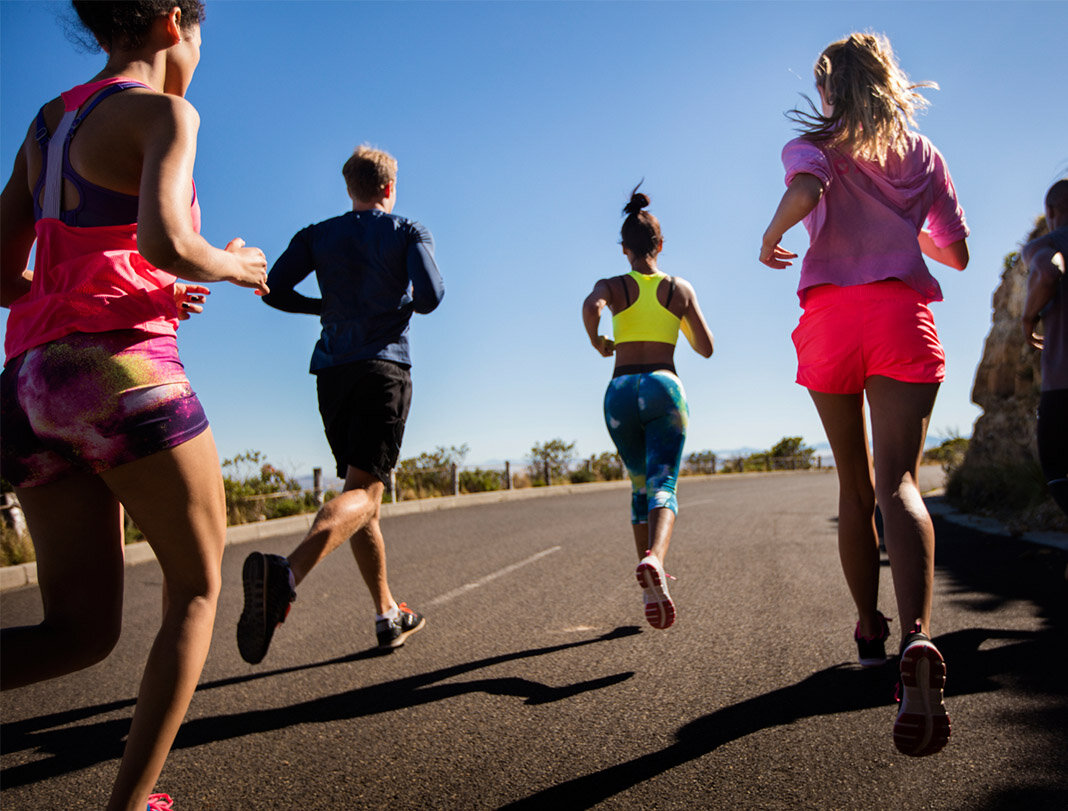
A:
(922, 725)
(268, 593)
(392, 633)
(871, 652)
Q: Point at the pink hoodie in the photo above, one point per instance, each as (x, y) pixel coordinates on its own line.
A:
(864, 229)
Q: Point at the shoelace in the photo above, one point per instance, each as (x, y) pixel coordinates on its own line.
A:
(160, 802)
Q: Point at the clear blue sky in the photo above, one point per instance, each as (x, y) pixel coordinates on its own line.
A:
(520, 127)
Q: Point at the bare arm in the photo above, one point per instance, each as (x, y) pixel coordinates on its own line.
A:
(165, 234)
(955, 254)
(17, 227)
(693, 325)
(592, 308)
(1047, 269)
(801, 196)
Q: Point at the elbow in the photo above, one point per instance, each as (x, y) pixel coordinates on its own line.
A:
(808, 188)
(160, 251)
(166, 251)
(427, 305)
(955, 255)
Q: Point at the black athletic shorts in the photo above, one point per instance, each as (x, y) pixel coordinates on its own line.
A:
(364, 405)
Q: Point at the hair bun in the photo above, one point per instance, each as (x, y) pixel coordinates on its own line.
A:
(638, 201)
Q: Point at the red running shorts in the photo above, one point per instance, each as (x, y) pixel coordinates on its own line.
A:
(848, 334)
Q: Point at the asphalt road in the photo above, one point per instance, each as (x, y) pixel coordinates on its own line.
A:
(536, 683)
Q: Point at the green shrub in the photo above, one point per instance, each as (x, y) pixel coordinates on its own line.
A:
(950, 454)
(582, 476)
(1015, 494)
(480, 481)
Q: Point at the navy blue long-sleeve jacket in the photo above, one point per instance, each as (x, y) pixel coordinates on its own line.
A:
(374, 270)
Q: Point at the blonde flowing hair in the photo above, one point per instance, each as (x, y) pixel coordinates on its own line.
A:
(874, 101)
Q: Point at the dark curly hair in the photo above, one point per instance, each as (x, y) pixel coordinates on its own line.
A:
(126, 22)
(641, 230)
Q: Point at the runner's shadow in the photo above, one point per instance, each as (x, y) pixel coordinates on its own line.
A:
(979, 660)
(18, 735)
(835, 690)
(88, 745)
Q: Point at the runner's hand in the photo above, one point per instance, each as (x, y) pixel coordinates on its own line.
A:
(252, 266)
(775, 256)
(189, 298)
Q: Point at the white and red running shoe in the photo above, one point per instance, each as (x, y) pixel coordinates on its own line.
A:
(659, 607)
(922, 725)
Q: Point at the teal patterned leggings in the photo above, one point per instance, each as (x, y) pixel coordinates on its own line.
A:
(647, 415)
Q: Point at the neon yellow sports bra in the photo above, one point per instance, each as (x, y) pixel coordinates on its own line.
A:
(646, 319)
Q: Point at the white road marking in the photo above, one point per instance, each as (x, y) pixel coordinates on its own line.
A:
(449, 595)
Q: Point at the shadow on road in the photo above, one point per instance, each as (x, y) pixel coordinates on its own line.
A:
(980, 661)
(74, 748)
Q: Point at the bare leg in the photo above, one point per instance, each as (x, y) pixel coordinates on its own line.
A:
(641, 538)
(176, 497)
(900, 413)
(657, 538)
(661, 523)
(80, 574)
(353, 515)
(369, 549)
(842, 416)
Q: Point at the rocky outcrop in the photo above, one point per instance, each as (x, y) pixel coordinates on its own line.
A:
(1008, 379)
(1000, 474)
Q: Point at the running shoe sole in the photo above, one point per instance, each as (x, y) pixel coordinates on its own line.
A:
(258, 620)
(659, 607)
(922, 725)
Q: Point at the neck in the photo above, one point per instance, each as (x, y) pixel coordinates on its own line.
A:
(645, 265)
(149, 68)
(378, 205)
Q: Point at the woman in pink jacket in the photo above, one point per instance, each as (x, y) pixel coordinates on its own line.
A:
(876, 197)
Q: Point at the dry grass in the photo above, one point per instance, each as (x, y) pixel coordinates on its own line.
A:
(1014, 494)
(14, 548)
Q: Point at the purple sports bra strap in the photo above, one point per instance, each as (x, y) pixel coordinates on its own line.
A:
(40, 130)
(55, 158)
(109, 90)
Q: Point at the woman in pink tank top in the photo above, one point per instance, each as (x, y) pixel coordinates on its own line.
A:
(97, 412)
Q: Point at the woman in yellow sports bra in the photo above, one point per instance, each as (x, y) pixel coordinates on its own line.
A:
(645, 405)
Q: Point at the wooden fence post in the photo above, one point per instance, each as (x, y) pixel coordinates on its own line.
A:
(317, 484)
(455, 480)
(507, 475)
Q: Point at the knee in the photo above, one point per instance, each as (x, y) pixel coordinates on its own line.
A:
(897, 490)
(196, 588)
(664, 498)
(339, 511)
(88, 639)
(858, 493)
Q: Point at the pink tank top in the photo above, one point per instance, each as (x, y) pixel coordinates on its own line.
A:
(88, 279)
